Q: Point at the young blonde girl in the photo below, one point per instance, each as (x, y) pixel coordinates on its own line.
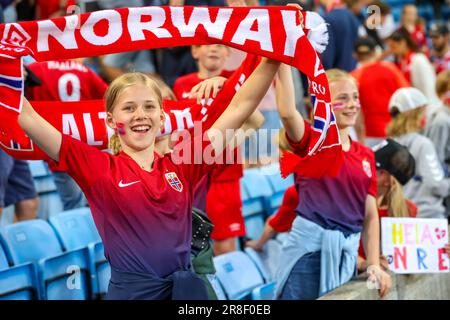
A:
(321, 250)
(141, 201)
(429, 186)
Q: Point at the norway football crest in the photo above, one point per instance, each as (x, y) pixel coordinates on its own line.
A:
(367, 169)
(174, 182)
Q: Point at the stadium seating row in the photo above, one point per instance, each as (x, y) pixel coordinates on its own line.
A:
(262, 191)
(63, 260)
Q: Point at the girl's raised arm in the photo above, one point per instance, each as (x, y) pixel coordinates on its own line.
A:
(285, 96)
(40, 131)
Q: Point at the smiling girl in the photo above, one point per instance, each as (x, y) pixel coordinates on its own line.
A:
(141, 201)
(320, 252)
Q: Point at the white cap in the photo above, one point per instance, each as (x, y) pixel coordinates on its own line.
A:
(405, 99)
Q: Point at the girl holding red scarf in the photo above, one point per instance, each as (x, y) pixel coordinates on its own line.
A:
(321, 250)
(141, 201)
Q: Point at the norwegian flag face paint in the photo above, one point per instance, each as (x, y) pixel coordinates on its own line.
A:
(337, 105)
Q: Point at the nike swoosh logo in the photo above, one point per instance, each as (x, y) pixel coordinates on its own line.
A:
(123, 185)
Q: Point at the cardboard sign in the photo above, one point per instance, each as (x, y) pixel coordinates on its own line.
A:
(415, 245)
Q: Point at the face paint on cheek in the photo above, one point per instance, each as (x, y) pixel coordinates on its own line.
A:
(423, 122)
(120, 128)
(337, 105)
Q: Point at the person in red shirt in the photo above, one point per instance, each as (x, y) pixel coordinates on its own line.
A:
(66, 80)
(413, 64)
(141, 201)
(377, 81)
(218, 193)
(211, 60)
(410, 20)
(440, 40)
(333, 212)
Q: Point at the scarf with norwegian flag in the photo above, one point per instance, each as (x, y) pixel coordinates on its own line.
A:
(273, 32)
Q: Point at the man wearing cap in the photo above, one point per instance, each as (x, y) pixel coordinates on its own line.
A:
(377, 81)
(440, 55)
(429, 186)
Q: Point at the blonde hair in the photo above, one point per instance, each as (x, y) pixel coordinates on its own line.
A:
(335, 75)
(114, 91)
(405, 122)
(395, 200)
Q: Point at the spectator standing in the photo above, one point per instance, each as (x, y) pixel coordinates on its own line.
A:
(429, 186)
(410, 21)
(414, 65)
(333, 212)
(440, 54)
(377, 81)
(114, 65)
(343, 29)
(438, 126)
(17, 188)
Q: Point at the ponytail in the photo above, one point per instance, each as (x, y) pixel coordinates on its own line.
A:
(114, 144)
(396, 200)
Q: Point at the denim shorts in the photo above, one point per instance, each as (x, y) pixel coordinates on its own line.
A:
(16, 181)
(304, 280)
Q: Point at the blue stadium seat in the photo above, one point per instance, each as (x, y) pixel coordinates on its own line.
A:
(19, 283)
(49, 204)
(215, 283)
(267, 260)
(49, 199)
(35, 241)
(279, 186)
(38, 168)
(76, 229)
(4, 264)
(254, 201)
(254, 256)
(237, 274)
(102, 269)
(265, 292)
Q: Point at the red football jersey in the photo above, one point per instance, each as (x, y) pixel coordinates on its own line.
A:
(226, 172)
(66, 80)
(144, 218)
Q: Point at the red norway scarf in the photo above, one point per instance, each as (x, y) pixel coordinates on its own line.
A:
(273, 32)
